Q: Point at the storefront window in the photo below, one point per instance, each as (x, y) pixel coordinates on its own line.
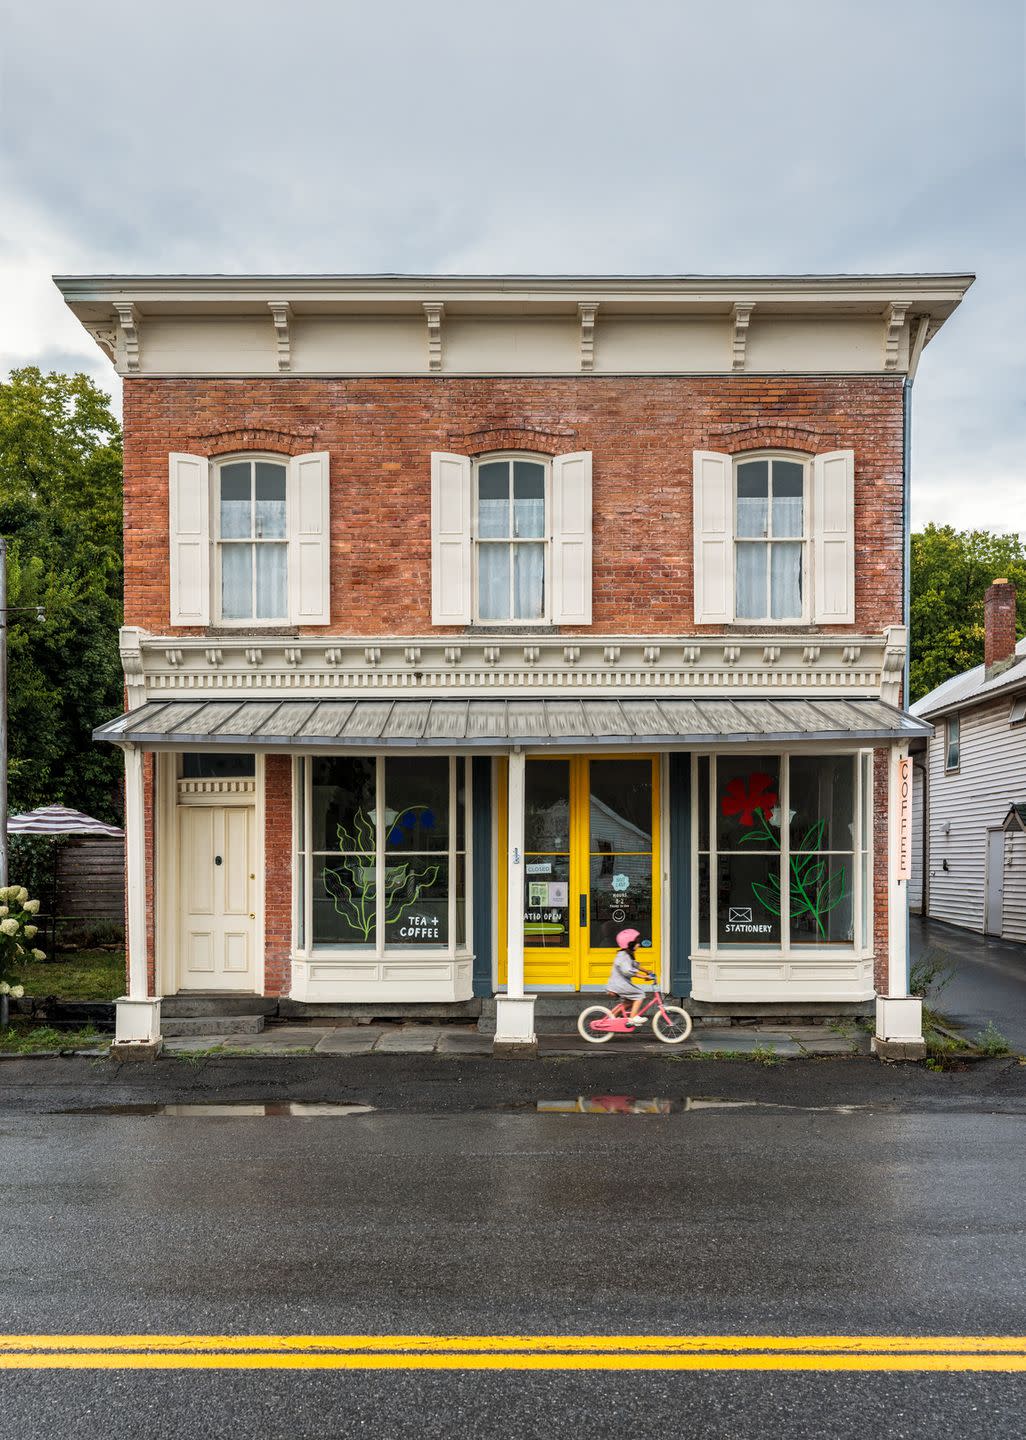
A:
(789, 838)
(393, 884)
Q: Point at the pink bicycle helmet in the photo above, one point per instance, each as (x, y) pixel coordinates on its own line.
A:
(626, 937)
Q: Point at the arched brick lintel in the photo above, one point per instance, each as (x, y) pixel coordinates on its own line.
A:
(277, 442)
(513, 437)
(736, 439)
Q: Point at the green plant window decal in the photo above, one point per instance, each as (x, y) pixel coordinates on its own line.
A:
(352, 883)
(814, 891)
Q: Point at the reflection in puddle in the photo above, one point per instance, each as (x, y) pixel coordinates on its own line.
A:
(607, 1105)
(241, 1111)
(629, 1105)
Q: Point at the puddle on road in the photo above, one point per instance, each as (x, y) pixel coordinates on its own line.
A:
(298, 1109)
(630, 1105)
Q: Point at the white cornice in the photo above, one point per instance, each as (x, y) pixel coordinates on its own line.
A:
(881, 289)
(253, 667)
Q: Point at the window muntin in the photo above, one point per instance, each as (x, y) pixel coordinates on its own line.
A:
(252, 548)
(812, 869)
(952, 743)
(394, 885)
(511, 538)
(770, 538)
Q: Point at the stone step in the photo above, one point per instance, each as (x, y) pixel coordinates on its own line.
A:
(196, 1006)
(365, 1012)
(212, 1025)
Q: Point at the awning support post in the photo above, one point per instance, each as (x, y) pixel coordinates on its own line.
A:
(899, 1015)
(514, 1011)
(137, 1025)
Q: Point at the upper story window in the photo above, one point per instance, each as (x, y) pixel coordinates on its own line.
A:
(769, 539)
(250, 540)
(252, 533)
(774, 538)
(952, 743)
(511, 539)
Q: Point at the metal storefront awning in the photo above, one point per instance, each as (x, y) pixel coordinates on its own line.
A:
(497, 725)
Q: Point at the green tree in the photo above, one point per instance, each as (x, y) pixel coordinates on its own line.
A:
(60, 508)
(951, 570)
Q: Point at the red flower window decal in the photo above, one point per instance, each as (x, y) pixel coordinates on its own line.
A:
(746, 800)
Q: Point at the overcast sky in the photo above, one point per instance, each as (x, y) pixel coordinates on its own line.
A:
(651, 136)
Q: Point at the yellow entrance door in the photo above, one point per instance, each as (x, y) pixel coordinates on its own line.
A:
(591, 866)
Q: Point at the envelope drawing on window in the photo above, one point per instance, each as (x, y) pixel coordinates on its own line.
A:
(739, 915)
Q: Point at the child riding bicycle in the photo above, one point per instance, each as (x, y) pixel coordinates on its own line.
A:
(625, 971)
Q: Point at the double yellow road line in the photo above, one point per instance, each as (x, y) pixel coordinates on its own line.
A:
(514, 1352)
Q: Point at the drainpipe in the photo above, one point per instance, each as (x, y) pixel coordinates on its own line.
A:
(906, 582)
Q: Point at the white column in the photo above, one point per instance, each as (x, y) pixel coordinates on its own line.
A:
(138, 1013)
(899, 1016)
(515, 878)
(514, 1011)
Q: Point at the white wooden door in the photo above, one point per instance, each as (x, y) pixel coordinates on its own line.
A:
(216, 889)
(995, 881)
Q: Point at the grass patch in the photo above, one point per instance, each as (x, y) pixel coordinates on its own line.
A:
(83, 975)
(20, 1040)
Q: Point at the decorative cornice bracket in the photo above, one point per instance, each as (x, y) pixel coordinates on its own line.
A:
(434, 313)
(128, 321)
(741, 316)
(587, 312)
(895, 324)
(281, 314)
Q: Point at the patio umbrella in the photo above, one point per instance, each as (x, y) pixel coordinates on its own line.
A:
(52, 821)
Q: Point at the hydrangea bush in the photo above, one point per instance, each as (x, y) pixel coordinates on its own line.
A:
(18, 929)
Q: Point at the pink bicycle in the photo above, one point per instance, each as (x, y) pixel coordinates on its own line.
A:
(598, 1024)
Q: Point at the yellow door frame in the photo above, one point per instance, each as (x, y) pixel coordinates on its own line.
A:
(581, 962)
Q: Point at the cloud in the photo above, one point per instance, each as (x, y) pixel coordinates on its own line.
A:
(562, 135)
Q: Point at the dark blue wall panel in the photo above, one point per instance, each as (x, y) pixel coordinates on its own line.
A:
(484, 890)
(680, 874)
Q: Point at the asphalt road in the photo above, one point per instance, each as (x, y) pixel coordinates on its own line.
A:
(904, 1217)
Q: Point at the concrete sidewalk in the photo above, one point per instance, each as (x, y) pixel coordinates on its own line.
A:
(451, 1040)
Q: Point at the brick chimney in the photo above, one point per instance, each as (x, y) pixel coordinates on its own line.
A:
(999, 626)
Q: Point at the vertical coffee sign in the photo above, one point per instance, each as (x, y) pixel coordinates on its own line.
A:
(904, 818)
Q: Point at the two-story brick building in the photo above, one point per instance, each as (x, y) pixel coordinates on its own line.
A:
(468, 620)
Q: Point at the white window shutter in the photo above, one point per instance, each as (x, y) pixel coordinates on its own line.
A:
(713, 486)
(571, 539)
(833, 532)
(189, 535)
(451, 571)
(309, 515)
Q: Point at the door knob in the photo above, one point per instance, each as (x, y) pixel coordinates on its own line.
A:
(218, 860)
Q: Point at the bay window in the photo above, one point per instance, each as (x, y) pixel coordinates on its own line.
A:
(782, 852)
(382, 853)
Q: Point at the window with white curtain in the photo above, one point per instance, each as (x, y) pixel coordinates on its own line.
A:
(770, 538)
(252, 538)
(511, 534)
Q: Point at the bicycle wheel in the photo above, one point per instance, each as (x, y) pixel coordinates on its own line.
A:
(594, 1012)
(673, 1025)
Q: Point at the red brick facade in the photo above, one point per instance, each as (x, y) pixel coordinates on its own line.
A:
(641, 431)
(278, 868)
(380, 433)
